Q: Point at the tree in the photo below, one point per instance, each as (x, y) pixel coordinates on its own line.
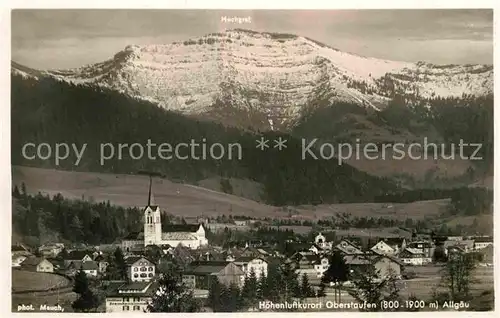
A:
(23, 190)
(370, 287)
(63, 254)
(15, 193)
(262, 290)
(250, 290)
(321, 291)
(305, 288)
(337, 273)
(273, 285)
(153, 253)
(215, 291)
(120, 265)
(289, 283)
(86, 300)
(439, 254)
(173, 296)
(231, 299)
(76, 228)
(456, 275)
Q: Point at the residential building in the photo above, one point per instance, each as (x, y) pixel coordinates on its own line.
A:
(426, 247)
(90, 268)
(414, 256)
(346, 247)
(384, 266)
(79, 256)
(465, 245)
(130, 298)
(321, 267)
(482, 242)
(256, 264)
(37, 264)
(398, 244)
(102, 263)
(383, 248)
(200, 274)
(51, 250)
(140, 269)
(17, 260)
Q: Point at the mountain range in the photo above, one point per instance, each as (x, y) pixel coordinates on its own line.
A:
(274, 77)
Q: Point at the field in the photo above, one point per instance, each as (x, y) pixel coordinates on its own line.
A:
(192, 201)
(132, 190)
(429, 277)
(25, 281)
(33, 281)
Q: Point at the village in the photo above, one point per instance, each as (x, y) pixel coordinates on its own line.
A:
(413, 260)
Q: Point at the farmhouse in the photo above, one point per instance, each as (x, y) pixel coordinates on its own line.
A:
(199, 275)
(51, 250)
(78, 256)
(465, 245)
(397, 243)
(385, 266)
(37, 264)
(17, 260)
(348, 248)
(90, 268)
(383, 248)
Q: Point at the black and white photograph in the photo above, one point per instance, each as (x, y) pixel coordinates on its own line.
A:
(203, 160)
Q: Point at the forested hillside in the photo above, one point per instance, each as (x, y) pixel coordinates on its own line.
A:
(48, 111)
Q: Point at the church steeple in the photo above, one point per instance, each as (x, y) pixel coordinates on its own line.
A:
(152, 220)
(150, 194)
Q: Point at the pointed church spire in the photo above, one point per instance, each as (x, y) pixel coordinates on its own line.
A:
(149, 194)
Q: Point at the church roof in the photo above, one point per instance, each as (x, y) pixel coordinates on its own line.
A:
(190, 228)
(177, 236)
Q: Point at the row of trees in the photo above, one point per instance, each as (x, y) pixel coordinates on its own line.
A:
(76, 221)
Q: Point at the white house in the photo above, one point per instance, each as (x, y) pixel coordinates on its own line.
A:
(130, 298)
(256, 264)
(413, 256)
(321, 267)
(348, 248)
(17, 260)
(51, 250)
(140, 269)
(383, 248)
(90, 268)
(37, 264)
(482, 242)
(321, 242)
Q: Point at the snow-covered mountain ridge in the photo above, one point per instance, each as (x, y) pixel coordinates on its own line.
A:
(276, 74)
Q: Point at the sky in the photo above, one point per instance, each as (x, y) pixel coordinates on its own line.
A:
(63, 38)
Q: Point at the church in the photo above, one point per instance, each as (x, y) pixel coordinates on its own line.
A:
(189, 235)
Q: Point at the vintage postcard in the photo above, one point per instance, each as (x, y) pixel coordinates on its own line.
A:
(251, 160)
